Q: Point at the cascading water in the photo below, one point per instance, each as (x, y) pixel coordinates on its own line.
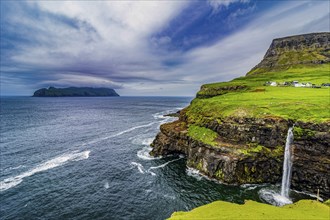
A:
(287, 165)
(273, 197)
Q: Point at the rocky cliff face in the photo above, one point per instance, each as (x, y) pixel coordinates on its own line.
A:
(251, 151)
(307, 49)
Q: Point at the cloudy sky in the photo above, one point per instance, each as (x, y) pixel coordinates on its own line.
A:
(143, 47)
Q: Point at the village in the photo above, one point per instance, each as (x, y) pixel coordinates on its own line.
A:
(296, 84)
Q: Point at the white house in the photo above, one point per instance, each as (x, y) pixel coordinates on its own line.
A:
(273, 84)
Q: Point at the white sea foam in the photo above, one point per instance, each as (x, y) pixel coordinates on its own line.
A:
(164, 164)
(273, 197)
(250, 186)
(52, 163)
(144, 154)
(14, 168)
(159, 115)
(194, 173)
(132, 129)
(198, 175)
(310, 194)
(118, 134)
(149, 170)
(139, 166)
(106, 185)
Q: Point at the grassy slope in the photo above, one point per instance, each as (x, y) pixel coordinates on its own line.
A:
(303, 209)
(305, 104)
(204, 135)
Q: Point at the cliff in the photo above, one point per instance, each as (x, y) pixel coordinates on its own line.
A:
(235, 131)
(74, 91)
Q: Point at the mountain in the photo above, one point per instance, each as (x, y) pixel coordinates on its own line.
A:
(74, 91)
(306, 49)
(235, 132)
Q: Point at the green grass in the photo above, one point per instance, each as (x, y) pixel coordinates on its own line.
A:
(258, 101)
(204, 135)
(315, 74)
(303, 209)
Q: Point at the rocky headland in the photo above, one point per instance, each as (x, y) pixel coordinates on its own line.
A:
(235, 132)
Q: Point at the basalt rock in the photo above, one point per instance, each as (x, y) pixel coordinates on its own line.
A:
(251, 151)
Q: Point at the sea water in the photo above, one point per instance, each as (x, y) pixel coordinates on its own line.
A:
(87, 158)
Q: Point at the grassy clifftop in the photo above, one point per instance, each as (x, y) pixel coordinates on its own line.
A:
(304, 209)
(304, 58)
(248, 97)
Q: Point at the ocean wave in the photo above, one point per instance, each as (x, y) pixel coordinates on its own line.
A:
(139, 166)
(149, 170)
(144, 154)
(118, 134)
(161, 115)
(251, 186)
(164, 164)
(198, 175)
(13, 168)
(132, 129)
(52, 163)
(193, 173)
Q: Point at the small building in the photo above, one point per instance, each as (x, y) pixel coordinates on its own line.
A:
(295, 83)
(326, 85)
(309, 84)
(273, 83)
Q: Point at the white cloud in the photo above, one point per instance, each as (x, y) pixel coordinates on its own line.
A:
(111, 44)
(216, 4)
(235, 55)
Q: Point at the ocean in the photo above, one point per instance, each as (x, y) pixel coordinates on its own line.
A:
(87, 158)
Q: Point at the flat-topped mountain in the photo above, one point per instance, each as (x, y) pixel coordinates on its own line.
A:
(74, 92)
(283, 53)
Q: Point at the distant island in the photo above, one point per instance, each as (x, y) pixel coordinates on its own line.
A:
(74, 92)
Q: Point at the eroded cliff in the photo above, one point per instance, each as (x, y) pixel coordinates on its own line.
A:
(235, 131)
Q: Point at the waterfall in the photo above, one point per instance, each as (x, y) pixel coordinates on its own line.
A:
(272, 196)
(287, 165)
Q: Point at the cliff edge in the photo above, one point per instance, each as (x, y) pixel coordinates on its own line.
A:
(236, 131)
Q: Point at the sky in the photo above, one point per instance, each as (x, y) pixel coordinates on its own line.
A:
(143, 48)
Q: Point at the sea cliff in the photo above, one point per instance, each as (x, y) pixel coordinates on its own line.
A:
(235, 131)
